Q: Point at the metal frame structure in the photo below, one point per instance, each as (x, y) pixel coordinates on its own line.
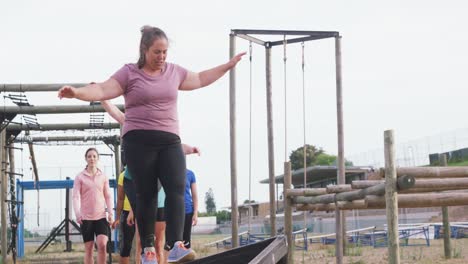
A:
(290, 36)
(10, 130)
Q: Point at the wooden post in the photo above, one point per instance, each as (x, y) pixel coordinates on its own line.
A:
(3, 195)
(391, 198)
(445, 218)
(288, 221)
(339, 216)
(232, 119)
(271, 149)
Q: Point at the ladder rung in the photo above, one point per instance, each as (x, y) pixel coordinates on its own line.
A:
(16, 202)
(8, 147)
(12, 173)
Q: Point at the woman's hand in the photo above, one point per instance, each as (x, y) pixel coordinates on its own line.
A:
(194, 219)
(234, 60)
(196, 150)
(130, 218)
(115, 224)
(67, 92)
(110, 220)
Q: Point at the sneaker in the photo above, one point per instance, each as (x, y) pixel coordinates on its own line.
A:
(149, 256)
(179, 253)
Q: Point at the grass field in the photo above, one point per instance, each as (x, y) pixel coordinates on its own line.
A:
(317, 253)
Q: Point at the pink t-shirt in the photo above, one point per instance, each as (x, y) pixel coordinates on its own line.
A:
(91, 194)
(151, 101)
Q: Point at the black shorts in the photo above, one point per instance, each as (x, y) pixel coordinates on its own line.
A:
(126, 235)
(160, 217)
(92, 228)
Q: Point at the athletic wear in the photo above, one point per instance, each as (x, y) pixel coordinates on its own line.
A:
(161, 197)
(93, 228)
(149, 256)
(91, 194)
(152, 146)
(126, 204)
(190, 179)
(126, 235)
(180, 254)
(153, 155)
(187, 235)
(150, 101)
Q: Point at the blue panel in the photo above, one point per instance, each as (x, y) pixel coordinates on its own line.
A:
(47, 185)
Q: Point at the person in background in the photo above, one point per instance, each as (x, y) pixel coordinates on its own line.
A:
(91, 197)
(127, 232)
(191, 207)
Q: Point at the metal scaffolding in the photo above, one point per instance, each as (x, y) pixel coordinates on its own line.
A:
(288, 37)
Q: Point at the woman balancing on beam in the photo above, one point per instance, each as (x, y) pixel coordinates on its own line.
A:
(91, 195)
(150, 132)
(127, 220)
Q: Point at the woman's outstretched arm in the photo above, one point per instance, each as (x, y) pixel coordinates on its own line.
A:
(201, 79)
(93, 92)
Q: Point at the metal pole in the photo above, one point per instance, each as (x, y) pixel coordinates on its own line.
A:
(271, 149)
(77, 126)
(20, 213)
(55, 109)
(51, 87)
(68, 246)
(391, 198)
(339, 216)
(232, 119)
(28, 139)
(288, 228)
(3, 196)
(445, 219)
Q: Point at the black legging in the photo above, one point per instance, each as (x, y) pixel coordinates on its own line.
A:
(153, 155)
(188, 230)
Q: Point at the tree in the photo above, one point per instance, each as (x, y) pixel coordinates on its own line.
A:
(210, 202)
(325, 159)
(314, 156)
(297, 156)
(249, 202)
(223, 216)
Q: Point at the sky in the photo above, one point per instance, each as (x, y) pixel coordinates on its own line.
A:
(404, 66)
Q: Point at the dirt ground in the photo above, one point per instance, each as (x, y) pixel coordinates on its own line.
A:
(317, 253)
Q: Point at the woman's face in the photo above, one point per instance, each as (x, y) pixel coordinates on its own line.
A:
(156, 54)
(92, 158)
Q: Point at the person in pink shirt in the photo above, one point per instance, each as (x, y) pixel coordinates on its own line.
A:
(150, 134)
(91, 201)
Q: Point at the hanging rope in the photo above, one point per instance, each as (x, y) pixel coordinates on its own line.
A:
(250, 132)
(304, 125)
(285, 102)
(304, 117)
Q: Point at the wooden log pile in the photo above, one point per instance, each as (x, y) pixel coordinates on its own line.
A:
(416, 186)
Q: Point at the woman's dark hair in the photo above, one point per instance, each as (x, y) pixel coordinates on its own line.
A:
(148, 35)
